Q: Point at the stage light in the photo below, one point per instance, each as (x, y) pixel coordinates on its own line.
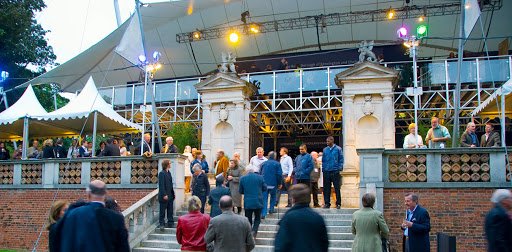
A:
(254, 28)
(196, 35)
(421, 31)
(391, 13)
(421, 19)
(402, 32)
(142, 58)
(233, 37)
(156, 55)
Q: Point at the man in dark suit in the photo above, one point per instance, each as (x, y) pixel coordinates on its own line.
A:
(200, 185)
(416, 226)
(111, 149)
(252, 186)
(301, 229)
(59, 150)
(93, 227)
(498, 222)
(229, 231)
(272, 175)
(166, 195)
(491, 138)
(146, 145)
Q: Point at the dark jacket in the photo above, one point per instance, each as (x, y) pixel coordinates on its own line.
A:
(200, 185)
(494, 140)
(498, 230)
(203, 163)
(292, 236)
(4, 154)
(419, 240)
(271, 172)
(170, 149)
(93, 228)
(214, 199)
(111, 150)
(466, 141)
(48, 152)
(252, 186)
(82, 152)
(303, 166)
(165, 186)
(60, 152)
(332, 159)
(315, 173)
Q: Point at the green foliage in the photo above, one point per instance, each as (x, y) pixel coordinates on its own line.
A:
(44, 94)
(184, 134)
(99, 139)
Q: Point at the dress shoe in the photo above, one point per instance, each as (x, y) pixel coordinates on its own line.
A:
(254, 234)
(316, 206)
(327, 206)
(162, 227)
(262, 217)
(338, 206)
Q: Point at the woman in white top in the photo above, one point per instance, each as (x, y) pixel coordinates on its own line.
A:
(122, 148)
(409, 142)
(188, 175)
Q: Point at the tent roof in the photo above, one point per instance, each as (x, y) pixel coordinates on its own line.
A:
(490, 108)
(75, 115)
(27, 106)
(162, 21)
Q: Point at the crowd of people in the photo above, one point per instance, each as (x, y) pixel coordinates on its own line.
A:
(438, 135)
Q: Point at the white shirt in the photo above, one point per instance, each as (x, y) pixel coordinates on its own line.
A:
(409, 140)
(256, 162)
(286, 165)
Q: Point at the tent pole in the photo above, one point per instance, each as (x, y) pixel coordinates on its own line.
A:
(95, 127)
(455, 137)
(25, 138)
(503, 144)
(144, 112)
(154, 115)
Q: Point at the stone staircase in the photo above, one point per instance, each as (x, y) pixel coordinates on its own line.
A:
(338, 226)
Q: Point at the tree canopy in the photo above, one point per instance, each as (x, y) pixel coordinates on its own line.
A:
(22, 40)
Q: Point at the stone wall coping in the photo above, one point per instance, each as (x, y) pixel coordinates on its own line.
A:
(427, 185)
(370, 151)
(77, 186)
(92, 159)
(459, 150)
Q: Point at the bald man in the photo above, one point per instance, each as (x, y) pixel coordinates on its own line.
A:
(93, 227)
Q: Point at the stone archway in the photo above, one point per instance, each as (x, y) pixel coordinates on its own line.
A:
(224, 138)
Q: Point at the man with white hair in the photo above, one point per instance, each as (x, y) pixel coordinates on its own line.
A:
(257, 160)
(169, 146)
(469, 138)
(498, 223)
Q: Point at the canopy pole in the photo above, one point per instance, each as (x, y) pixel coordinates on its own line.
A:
(144, 113)
(154, 116)
(94, 129)
(503, 144)
(455, 137)
(25, 138)
(118, 13)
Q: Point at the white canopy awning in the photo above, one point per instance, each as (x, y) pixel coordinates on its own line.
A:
(11, 119)
(75, 116)
(490, 107)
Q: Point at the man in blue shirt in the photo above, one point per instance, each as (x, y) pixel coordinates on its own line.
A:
(332, 164)
(303, 166)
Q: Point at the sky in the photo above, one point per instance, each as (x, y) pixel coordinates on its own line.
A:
(78, 24)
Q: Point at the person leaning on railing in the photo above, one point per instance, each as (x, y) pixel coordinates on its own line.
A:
(409, 142)
(437, 135)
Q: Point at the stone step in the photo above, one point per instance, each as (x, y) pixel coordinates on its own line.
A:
(160, 244)
(321, 211)
(261, 234)
(325, 216)
(259, 248)
(269, 221)
(146, 249)
(330, 229)
(332, 243)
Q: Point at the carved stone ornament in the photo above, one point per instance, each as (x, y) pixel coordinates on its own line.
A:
(365, 51)
(228, 63)
(223, 113)
(368, 107)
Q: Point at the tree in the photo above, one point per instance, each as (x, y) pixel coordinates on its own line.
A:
(184, 134)
(22, 41)
(44, 93)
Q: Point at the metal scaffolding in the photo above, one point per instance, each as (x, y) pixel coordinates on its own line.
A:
(353, 17)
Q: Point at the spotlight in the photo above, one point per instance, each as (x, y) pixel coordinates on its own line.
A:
(421, 19)
(233, 37)
(196, 35)
(142, 58)
(402, 32)
(391, 13)
(254, 28)
(421, 31)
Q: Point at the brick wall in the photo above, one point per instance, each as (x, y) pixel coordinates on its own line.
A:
(457, 212)
(24, 212)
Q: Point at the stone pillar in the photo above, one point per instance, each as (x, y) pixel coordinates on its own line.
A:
(368, 120)
(225, 103)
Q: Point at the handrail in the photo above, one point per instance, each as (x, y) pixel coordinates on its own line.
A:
(141, 218)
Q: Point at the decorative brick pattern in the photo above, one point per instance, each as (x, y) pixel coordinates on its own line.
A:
(6, 174)
(465, 168)
(108, 172)
(70, 173)
(144, 172)
(457, 212)
(31, 174)
(407, 168)
(23, 213)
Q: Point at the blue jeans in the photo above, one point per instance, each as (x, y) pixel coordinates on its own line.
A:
(272, 193)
